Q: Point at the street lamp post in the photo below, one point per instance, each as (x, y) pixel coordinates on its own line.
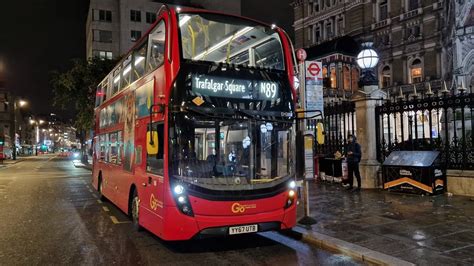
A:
(37, 123)
(365, 100)
(367, 60)
(20, 103)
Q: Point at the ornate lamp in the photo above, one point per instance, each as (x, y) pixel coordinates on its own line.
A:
(367, 60)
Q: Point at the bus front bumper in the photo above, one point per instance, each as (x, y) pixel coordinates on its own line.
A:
(178, 226)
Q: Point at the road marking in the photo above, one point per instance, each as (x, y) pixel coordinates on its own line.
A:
(99, 201)
(105, 208)
(95, 196)
(116, 221)
(90, 190)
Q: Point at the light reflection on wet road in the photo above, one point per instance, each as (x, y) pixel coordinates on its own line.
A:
(49, 214)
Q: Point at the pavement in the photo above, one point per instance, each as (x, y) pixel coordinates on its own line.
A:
(381, 227)
(51, 215)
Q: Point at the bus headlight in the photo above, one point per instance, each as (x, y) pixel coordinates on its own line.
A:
(291, 198)
(291, 193)
(178, 189)
(182, 201)
(292, 184)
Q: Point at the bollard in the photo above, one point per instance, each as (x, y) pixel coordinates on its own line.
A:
(307, 219)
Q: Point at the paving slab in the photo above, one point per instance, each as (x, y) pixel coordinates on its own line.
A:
(425, 230)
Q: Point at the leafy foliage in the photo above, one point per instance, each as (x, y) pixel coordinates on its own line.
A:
(75, 88)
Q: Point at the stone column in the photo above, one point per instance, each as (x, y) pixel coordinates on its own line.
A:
(365, 102)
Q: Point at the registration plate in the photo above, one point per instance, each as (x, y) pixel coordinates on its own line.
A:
(244, 229)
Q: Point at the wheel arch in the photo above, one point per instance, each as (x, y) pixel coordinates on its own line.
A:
(132, 189)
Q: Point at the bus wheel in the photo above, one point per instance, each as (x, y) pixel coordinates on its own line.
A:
(134, 210)
(100, 187)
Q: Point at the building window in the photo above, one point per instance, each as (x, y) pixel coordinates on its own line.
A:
(325, 72)
(135, 35)
(328, 30)
(102, 35)
(416, 71)
(102, 54)
(386, 77)
(317, 35)
(413, 32)
(102, 15)
(316, 6)
(412, 4)
(333, 77)
(383, 10)
(355, 79)
(150, 17)
(340, 26)
(347, 78)
(135, 15)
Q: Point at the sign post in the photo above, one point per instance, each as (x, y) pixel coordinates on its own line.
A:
(307, 138)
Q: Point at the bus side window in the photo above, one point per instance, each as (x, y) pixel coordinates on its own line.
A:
(139, 64)
(156, 47)
(154, 162)
(115, 82)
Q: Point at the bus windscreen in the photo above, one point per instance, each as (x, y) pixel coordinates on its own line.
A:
(220, 39)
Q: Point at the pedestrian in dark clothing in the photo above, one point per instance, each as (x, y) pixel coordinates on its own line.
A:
(353, 155)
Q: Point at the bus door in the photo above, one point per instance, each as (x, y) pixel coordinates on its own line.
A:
(152, 195)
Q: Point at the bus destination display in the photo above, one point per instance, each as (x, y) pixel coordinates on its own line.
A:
(234, 88)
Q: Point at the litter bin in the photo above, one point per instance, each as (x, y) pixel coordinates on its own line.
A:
(417, 172)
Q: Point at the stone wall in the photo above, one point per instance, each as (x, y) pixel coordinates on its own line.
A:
(461, 182)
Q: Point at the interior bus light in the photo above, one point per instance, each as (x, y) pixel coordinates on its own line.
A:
(127, 69)
(183, 20)
(222, 43)
(139, 60)
(117, 79)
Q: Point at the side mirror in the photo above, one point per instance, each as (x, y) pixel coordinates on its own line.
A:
(152, 142)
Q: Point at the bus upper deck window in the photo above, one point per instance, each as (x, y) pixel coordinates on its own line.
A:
(156, 49)
(126, 75)
(269, 55)
(139, 57)
(116, 83)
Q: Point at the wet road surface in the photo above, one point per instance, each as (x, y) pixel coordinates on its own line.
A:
(50, 214)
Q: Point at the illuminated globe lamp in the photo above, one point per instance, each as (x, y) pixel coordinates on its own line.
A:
(367, 60)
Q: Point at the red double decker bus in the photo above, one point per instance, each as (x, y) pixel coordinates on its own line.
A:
(194, 128)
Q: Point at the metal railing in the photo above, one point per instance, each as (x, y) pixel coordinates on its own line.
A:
(439, 120)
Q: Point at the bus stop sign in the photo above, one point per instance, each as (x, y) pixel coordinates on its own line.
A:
(301, 55)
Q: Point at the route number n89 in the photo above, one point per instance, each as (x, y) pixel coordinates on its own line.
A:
(269, 89)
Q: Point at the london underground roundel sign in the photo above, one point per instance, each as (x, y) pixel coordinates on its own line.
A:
(314, 69)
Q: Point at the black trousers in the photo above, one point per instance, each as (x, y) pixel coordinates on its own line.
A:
(353, 169)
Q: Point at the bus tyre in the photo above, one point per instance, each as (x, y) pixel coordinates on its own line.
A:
(100, 188)
(134, 210)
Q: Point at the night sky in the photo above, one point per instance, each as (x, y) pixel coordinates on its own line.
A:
(39, 36)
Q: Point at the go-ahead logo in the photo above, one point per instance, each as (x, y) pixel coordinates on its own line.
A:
(155, 203)
(239, 208)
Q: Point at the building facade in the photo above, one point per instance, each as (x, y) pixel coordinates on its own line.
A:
(113, 26)
(407, 34)
(459, 42)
